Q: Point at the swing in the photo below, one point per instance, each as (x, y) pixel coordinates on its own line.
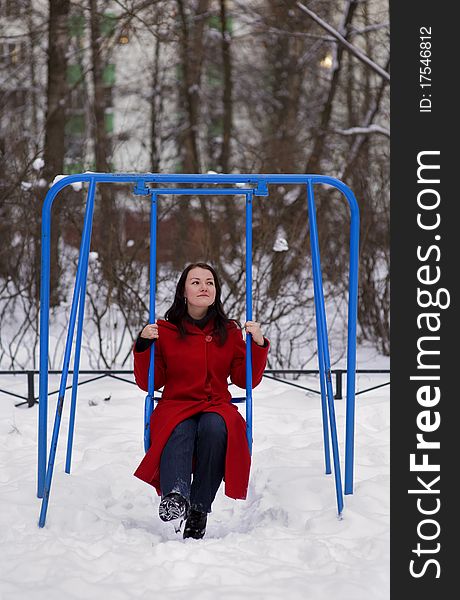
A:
(149, 404)
(255, 185)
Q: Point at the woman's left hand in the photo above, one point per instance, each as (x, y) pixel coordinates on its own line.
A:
(253, 328)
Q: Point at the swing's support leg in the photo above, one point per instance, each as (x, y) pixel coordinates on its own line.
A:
(81, 313)
(322, 381)
(351, 350)
(44, 341)
(324, 364)
(249, 197)
(149, 401)
(77, 296)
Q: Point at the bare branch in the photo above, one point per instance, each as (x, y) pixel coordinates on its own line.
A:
(355, 51)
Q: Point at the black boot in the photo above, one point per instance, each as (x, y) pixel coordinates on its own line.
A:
(195, 525)
(173, 506)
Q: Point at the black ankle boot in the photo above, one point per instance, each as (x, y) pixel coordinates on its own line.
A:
(173, 506)
(195, 525)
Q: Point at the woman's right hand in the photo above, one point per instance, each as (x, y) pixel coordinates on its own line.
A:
(150, 331)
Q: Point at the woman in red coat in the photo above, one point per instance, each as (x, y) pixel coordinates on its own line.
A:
(195, 429)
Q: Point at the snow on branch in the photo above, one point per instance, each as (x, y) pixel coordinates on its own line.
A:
(353, 49)
(364, 130)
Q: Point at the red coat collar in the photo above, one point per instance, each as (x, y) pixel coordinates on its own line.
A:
(190, 328)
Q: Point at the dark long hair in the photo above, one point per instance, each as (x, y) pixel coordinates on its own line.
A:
(177, 313)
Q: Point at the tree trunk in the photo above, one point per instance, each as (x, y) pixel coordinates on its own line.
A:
(107, 214)
(54, 150)
(314, 161)
(191, 50)
(227, 91)
(155, 111)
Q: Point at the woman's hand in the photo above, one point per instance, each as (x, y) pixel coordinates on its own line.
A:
(253, 328)
(150, 331)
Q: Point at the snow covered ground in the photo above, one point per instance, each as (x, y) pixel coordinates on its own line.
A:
(103, 537)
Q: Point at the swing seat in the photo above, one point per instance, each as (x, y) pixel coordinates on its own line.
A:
(148, 409)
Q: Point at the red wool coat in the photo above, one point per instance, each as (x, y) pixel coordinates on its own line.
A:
(194, 372)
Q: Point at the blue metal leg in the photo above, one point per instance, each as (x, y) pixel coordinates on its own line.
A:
(149, 401)
(81, 313)
(44, 342)
(351, 350)
(82, 265)
(249, 318)
(327, 449)
(322, 328)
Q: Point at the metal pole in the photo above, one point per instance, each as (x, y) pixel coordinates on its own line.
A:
(322, 326)
(149, 399)
(30, 389)
(44, 340)
(249, 318)
(321, 362)
(338, 384)
(81, 313)
(322, 383)
(84, 249)
(351, 350)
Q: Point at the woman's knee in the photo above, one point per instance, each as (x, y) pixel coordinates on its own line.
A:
(212, 425)
(186, 428)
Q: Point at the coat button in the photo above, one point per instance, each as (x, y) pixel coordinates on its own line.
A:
(208, 338)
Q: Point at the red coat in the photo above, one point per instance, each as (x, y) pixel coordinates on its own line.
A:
(194, 373)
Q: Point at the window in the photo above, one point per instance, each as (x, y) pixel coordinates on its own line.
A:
(15, 100)
(12, 8)
(108, 74)
(74, 74)
(179, 72)
(77, 98)
(74, 167)
(108, 96)
(108, 24)
(214, 76)
(216, 127)
(214, 23)
(75, 125)
(12, 53)
(75, 148)
(76, 25)
(108, 116)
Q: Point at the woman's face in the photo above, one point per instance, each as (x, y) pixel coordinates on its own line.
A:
(200, 288)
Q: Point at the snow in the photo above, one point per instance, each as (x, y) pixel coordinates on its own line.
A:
(103, 537)
(76, 185)
(280, 245)
(38, 164)
(58, 178)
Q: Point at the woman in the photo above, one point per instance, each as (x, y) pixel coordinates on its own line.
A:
(195, 429)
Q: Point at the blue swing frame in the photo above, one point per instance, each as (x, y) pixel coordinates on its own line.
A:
(257, 185)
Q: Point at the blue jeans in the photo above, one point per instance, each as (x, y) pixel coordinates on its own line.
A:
(203, 436)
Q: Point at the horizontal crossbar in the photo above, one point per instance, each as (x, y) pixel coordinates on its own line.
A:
(201, 191)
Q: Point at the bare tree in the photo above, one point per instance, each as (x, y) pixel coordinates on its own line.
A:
(54, 145)
(241, 86)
